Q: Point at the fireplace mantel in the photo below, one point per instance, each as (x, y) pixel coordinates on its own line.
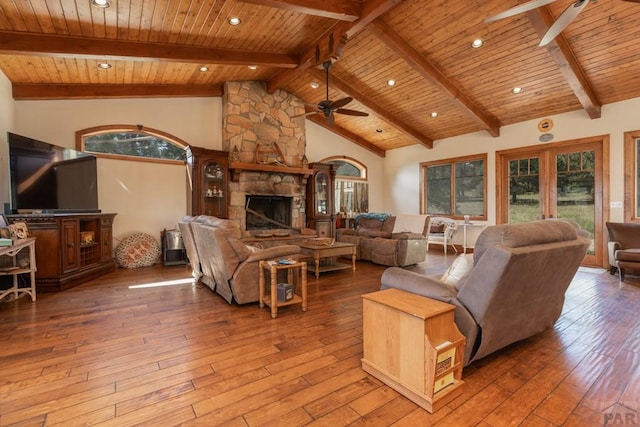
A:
(238, 167)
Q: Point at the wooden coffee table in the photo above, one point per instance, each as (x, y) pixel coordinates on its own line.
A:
(318, 252)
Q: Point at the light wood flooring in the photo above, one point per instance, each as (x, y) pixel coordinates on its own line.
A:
(108, 353)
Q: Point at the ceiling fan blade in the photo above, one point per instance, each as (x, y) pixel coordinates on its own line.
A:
(340, 103)
(569, 14)
(330, 119)
(533, 4)
(351, 112)
(310, 113)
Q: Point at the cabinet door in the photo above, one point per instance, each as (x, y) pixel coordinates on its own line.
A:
(106, 244)
(322, 194)
(70, 245)
(214, 189)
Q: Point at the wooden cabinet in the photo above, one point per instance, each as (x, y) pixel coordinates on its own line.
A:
(321, 214)
(71, 249)
(412, 344)
(209, 186)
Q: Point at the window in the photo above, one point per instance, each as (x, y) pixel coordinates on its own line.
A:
(351, 188)
(632, 176)
(132, 143)
(455, 187)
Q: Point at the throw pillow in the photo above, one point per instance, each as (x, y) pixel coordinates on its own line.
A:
(436, 228)
(458, 268)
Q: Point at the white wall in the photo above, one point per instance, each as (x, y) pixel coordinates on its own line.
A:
(6, 125)
(402, 170)
(322, 143)
(147, 197)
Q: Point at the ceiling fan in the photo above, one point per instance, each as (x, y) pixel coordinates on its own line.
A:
(327, 107)
(569, 14)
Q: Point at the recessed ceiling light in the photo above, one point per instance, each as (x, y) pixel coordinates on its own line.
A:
(516, 90)
(204, 68)
(104, 65)
(379, 130)
(477, 43)
(103, 4)
(253, 67)
(234, 21)
(315, 85)
(434, 114)
(391, 82)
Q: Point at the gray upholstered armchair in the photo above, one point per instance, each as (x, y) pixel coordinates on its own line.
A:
(227, 265)
(514, 287)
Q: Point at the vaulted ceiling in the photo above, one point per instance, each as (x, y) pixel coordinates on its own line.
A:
(51, 49)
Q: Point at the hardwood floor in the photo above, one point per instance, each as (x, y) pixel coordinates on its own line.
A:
(112, 352)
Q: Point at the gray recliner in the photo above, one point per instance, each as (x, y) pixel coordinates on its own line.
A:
(515, 287)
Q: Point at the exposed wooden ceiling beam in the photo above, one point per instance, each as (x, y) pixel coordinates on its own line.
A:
(346, 134)
(562, 54)
(103, 91)
(376, 109)
(343, 10)
(330, 45)
(14, 42)
(398, 45)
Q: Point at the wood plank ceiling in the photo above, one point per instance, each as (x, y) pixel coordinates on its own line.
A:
(51, 50)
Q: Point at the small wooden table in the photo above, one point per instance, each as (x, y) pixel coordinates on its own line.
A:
(412, 344)
(327, 251)
(272, 299)
(15, 269)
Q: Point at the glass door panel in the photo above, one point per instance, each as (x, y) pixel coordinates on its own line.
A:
(575, 190)
(524, 190)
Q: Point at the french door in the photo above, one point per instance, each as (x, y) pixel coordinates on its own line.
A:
(561, 180)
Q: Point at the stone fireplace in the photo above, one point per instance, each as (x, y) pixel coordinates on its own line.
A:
(266, 145)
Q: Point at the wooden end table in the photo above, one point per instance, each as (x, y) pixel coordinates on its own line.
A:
(318, 252)
(271, 300)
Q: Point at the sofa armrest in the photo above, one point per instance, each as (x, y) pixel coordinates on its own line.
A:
(345, 232)
(418, 284)
(430, 287)
(273, 253)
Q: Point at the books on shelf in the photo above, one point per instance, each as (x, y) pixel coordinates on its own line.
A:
(445, 358)
(444, 362)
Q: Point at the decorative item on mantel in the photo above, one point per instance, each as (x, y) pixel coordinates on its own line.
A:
(235, 154)
(268, 153)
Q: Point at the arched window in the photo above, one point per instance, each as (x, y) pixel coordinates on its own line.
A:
(351, 187)
(129, 142)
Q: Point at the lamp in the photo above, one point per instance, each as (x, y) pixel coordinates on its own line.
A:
(103, 4)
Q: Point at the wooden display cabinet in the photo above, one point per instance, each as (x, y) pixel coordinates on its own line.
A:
(71, 248)
(412, 344)
(321, 214)
(210, 177)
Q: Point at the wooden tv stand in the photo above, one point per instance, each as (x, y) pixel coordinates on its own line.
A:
(72, 248)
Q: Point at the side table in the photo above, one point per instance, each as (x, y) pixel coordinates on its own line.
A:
(299, 267)
(464, 226)
(412, 344)
(15, 270)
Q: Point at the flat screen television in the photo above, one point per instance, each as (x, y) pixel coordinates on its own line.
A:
(50, 179)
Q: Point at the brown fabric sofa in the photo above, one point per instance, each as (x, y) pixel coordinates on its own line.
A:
(515, 287)
(378, 240)
(222, 261)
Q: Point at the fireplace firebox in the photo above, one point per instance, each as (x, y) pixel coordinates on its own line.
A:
(268, 212)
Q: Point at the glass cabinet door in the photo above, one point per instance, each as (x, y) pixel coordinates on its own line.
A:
(214, 188)
(322, 193)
